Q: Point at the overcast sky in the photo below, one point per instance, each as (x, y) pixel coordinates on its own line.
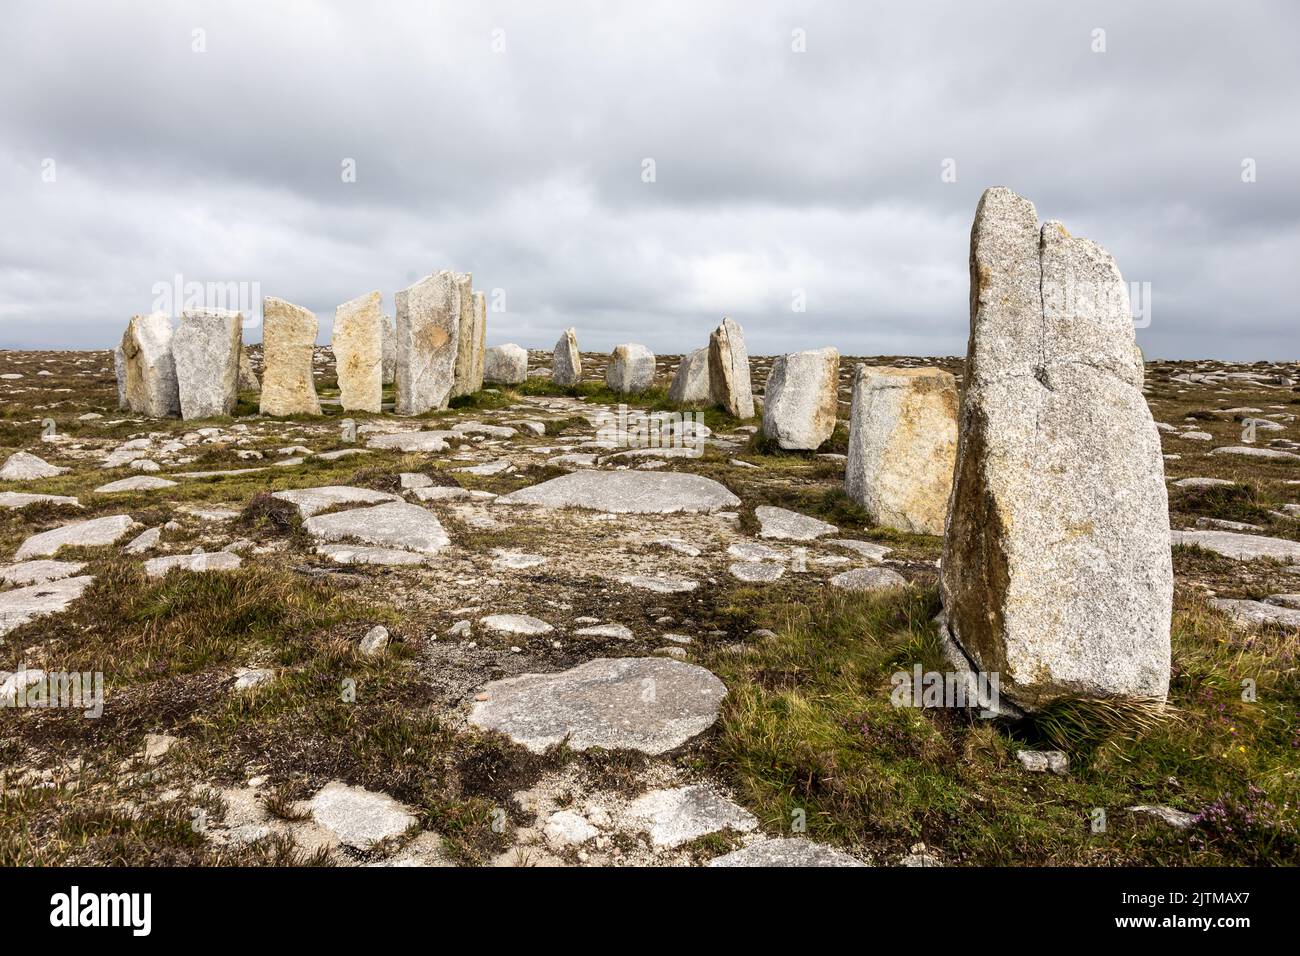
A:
(511, 139)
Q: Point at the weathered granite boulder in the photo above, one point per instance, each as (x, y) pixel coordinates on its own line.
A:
(902, 446)
(466, 336)
(691, 380)
(358, 343)
(506, 365)
(480, 341)
(1056, 569)
(631, 369)
(288, 339)
(119, 369)
(248, 380)
(390, 350)
(24, 466)
(566, 368)
(150, 380)
(428, 329)
(729, 384)
(206, 351)
(801, 399)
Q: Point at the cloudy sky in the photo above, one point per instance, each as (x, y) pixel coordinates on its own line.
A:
(798, 152)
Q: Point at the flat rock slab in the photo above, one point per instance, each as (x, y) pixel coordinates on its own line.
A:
(361, 554)
(787, 525)
(524, 624)
(92, 533)
(209, 561)
(1243, 547)
(662, 584)
(359, 818)
(412, 441)
(311, 500)
(21, 499)
(1257, 612)
(397, 524)
(677, 816)
(791, 852)
(24, 466)
(627, 492)
(634, 703)
(135, 483)
(868, 549)
(39, 571)
(756, 572)
(869, 579)
(21, 605)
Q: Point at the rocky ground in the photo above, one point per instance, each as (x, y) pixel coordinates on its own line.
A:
(417, 667)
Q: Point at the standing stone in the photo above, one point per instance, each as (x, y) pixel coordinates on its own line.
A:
(902, 445)
(288, 341)
(206, 350)
(691, 380)
(150, 369)
(631, 369)
(566, 369)
(801, 399)
(358, 342)
(466, 336)
(428, 327)
(1056, 570)
(506, 365)
(390, 351)
(119, 369)
(480, 340)
(729, 384)
(247, 377)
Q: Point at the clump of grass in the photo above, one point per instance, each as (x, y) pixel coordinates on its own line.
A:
(1239, 502)
(270, 517)
(1082, 724)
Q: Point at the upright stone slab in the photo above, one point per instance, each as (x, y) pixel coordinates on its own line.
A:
(358, 342)
(902, 446)
(206, 350)
(566, 368)
(390, 351)
(729, 384)
(631, 369)
(428, 329)
(506, 365)
(150, 369)
(691, 380)
(288, 341)
(466, 336)
(480, 340)
(801, 399)
(119, 369)
(1056, 570)
(248, 380)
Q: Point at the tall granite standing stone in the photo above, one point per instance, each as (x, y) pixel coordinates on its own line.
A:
(150, 379)
(206, 348)
(1056, 570)
(466, 336)
(566, 368)
(288, 342)
(902, 445)
(801, 400)
(506, 365)
(119, 369)
(480, 340)
(428, 328)
(358, 342)
(390, 351)
(691, 380)
(248, 381)
(729, 384)
(631, 369)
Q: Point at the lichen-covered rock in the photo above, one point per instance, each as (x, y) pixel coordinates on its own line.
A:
(466, 337)
(902, 445)
(428, 330)
(288, 340)
(1056, 570)
(631, 369)
(506, 365)
(358, 343)
(150, 371)
(248, 380)
(566, 368)
(691, 380)
(801, 399)
(206, 351)
(729, 384)
(390, 350)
